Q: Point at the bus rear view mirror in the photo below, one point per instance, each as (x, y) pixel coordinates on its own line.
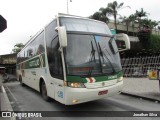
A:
(62, 36)
(122, 41)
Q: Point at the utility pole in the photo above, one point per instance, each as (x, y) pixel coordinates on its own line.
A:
(68, 5)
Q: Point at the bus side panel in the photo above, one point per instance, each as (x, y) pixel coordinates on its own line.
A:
(56, 89)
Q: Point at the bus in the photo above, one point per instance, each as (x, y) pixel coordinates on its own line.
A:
(73, 60)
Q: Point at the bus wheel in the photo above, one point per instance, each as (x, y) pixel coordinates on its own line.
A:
(44, 91)
(20, 80)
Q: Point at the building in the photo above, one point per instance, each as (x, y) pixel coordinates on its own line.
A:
(9, 62)
(132, 30)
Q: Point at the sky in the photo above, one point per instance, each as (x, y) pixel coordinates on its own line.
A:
(26, 17)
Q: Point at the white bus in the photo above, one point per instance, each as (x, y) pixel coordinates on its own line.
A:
(72, 60)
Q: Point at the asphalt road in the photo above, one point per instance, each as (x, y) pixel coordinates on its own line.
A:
(27, 99)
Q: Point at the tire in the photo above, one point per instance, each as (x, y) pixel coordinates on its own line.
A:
(44, 92)
(20, 80)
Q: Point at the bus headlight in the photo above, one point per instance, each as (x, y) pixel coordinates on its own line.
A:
(120, 79)
(75, 85)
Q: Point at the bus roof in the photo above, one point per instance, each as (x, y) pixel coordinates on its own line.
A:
(75, 16)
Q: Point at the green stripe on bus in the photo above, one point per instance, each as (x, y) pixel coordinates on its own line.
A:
(98, 79)
(36, 62)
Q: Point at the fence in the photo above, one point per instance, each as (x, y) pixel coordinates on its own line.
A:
(139, 66)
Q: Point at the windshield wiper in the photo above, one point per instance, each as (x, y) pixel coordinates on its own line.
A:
(102, 55)
(92, 57)
(111, 46)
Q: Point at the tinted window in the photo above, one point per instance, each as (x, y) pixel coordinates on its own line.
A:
(35, 47)
(54, 56)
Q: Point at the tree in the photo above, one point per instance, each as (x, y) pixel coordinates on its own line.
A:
(17, 48)
(133, 20)
(154, 24)
(100, 16)
(127, 21)
(158, 29)
(112, 10)
(139, 15)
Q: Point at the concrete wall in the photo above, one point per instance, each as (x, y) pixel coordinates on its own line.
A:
(122, 26)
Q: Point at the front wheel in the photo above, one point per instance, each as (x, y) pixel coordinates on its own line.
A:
(44, 91)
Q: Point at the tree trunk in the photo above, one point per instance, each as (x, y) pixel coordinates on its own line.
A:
(115, 22)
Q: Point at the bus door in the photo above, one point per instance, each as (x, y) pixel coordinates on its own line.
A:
(56, 70)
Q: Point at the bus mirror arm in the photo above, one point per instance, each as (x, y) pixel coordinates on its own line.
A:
(56, 29)
(60, 49)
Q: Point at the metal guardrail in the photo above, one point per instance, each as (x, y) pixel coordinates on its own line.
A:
(139, 66)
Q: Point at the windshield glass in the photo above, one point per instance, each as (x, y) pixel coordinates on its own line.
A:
(91, 55)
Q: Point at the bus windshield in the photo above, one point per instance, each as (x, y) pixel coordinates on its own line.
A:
(91, 49)
(91, 54)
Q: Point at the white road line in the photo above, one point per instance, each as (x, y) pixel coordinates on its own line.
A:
(15, 99)
(3, 90)
(7, 103)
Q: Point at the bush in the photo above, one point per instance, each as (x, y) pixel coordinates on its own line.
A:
(155, 42)
(144, 37)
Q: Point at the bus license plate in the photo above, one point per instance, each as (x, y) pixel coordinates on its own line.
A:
(103, 92)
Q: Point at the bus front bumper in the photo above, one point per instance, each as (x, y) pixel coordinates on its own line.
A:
(80, 95)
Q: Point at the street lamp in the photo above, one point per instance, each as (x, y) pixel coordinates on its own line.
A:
(67, 6)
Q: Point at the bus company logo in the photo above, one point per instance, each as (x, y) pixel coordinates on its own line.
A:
(6, 114)
(112, 77)
(60, 94)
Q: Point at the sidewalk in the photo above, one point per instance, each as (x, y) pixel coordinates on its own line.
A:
(5, 104)
(142, 87)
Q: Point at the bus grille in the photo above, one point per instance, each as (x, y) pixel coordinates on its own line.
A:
(100, 84)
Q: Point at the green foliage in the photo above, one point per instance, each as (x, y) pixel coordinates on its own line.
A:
(155, 42)
(18, 47)
(144, 38)
(112, 9)
(149, 41)
(100, 16)
(139, 15)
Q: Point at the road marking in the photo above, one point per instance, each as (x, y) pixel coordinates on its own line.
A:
(15, 102)
(15, 99)
(7, 103)
(3, 90)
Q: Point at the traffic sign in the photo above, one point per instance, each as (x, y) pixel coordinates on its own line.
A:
(3, 23)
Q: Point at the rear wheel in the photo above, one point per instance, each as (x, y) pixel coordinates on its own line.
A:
(44, 91)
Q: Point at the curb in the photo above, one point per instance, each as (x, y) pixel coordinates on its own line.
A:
(138, 96)
(5, 104)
